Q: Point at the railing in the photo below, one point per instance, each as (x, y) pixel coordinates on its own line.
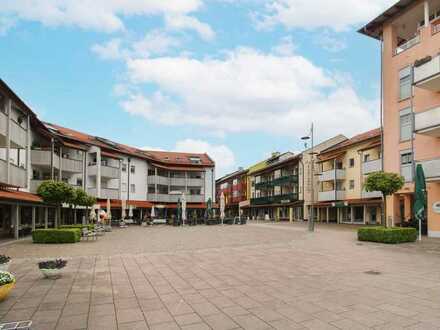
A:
(431, 169)
(331, 195)
(106, 171)
(195, 182)
(426, 70)
(35, 184)
(92, 192)
(3, 123)
(18, 134)
(372, 166)
(283, 180)
(194, 198)
(17, 176)
(178, 181)
(3, 176)
(157, 179)
(428, 122)
(410, 43)
(72, 165)
(43, 158)
(371, 194)
(112, 193)
(332, 175)
(286, 198)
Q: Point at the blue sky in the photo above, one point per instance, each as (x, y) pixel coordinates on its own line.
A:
(237, 79)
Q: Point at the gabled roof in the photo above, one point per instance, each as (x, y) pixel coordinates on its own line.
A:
(360, 138)
(232, 175)
(162, 157)
(374, 28)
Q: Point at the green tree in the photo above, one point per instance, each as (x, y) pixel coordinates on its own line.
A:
(57, 193)
(387, 184)
(79, 199)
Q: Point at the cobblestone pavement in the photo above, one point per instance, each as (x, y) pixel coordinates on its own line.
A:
(258, 276)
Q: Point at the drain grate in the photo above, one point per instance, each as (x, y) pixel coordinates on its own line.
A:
(372, 272)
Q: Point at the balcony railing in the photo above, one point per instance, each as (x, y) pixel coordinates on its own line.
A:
(277, 199)
(284, 180)
(18, 135)
(427, 74)
(106, 171)
(371, 194)
(43, 158)
(431, 169)
(372, 166)
(111, 193)
(428, 122)
(410, 43)
(331, 195)
(3, 176)
(17, 176)
(72, 165)
(332, 175)
(3, 123)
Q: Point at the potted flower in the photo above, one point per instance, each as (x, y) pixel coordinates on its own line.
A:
(5, 261)
(7, 283)
(52, 268)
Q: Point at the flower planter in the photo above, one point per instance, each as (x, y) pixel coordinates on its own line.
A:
(5, 290)
(4, 267)
(52, 273)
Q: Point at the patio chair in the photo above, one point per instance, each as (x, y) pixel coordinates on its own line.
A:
(99, 230)
(87, 234)
(22, 325)
(122, 224)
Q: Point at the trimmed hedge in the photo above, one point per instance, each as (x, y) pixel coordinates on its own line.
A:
(392, 235)
(56, 236)
(89, 227)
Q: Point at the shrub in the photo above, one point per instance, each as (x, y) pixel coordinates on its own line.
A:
(4, 259)
(89, 227)
(54, 236)
(392, 235)
(52, 264)
(6, 278)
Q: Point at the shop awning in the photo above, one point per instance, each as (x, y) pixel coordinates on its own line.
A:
(18, 196)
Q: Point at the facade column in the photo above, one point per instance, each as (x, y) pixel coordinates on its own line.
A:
(8, 140)
(28, 154)
(408, 208)
(318, 211)
(338, 216)
(290, 214)
(351, 214)
(46, 217)
(74, 215)
(17, 221)
(365, 214)
(34, 211)
(327, 214)
(426, 12)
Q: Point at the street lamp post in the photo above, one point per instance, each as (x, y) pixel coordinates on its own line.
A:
(312, 175)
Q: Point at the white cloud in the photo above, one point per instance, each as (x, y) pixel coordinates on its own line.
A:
(183, 22)
(102, 15)
(223, 156)
(338, 15)
(246, 91)
(330, 43)
(285, 47)
(156, 42)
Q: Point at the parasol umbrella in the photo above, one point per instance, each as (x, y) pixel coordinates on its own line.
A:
(92, 215)
(420, 197)
(222, 207)
(130, 211)
(183, 202)
(153, 212)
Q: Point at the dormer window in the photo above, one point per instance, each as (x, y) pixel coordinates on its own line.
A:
(195, 160)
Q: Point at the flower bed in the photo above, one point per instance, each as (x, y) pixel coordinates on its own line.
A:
(89, 227)
(392, 235)
(7, 283)
(56, 236)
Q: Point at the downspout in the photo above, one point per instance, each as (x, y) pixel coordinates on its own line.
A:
(382, 146)
(413, 168)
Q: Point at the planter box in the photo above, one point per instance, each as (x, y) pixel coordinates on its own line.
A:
(5, 290)
(52, 273)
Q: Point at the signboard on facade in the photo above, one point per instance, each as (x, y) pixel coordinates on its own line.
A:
(436, 207)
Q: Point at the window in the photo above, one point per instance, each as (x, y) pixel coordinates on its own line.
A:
(405, 124)
(405, 83)
(151, 171)
(195, 160)
(151, 189)
(132, 188)
(124, 187)
(79, 182)
(132, 169)
(351, 162)
(124, 167)
(406, 165)
(351, 184)
(366, 158)
(235, 182)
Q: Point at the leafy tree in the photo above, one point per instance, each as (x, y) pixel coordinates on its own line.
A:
(57, 193)
(79, 199)
(386, 183)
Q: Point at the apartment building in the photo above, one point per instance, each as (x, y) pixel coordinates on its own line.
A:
(343, 171)
(273, 188)
(410, 42)
(234, 187)
(32, 151)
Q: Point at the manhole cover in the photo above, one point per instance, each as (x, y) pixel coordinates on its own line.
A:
(372, 272)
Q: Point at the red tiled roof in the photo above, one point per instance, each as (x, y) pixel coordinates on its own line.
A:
(20, 196)
(354, 140)
(164, 157)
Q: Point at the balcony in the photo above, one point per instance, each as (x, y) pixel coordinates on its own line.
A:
(34, 185)
(43, 158)
(3, 123)
(371, 194)
(284, 180)
(332, 175)
(331, 195)
(178, 182)
(17, 176)
(277, 199)
(427, 74)
(72, 165)
(163, 198)
(428, 122)
(18, 135)
(157, 179)
(407, 45)
(111, 193)
(3, 176)
(372, 166)
(108, 172)
(195, 182)
(431, 169)
(195, 199)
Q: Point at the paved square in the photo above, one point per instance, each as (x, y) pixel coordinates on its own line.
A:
(258, 276)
